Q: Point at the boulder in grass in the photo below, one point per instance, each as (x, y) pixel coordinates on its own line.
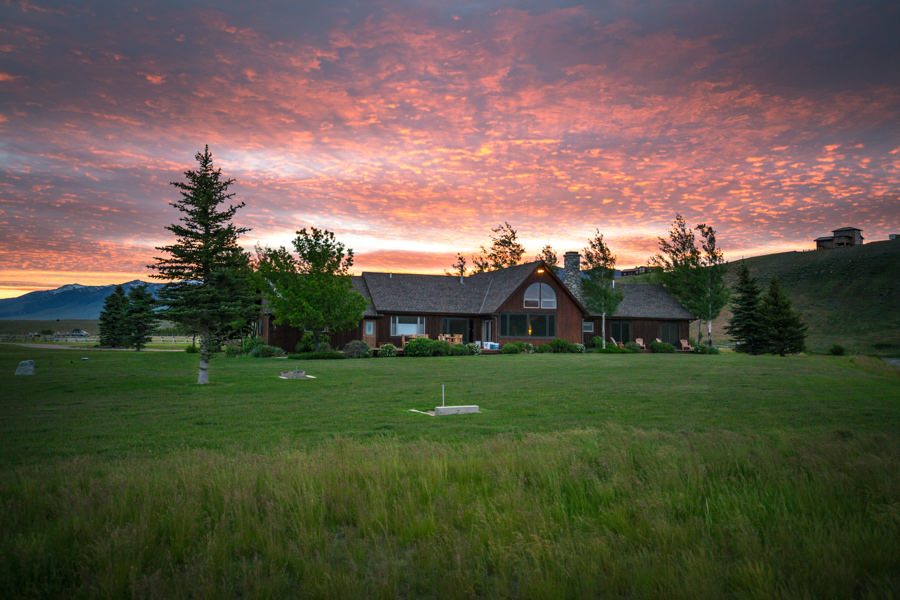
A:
(295, 374)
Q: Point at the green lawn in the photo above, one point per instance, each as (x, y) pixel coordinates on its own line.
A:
(583, 476)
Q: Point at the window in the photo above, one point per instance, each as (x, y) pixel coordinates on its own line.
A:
(668, 332)
(519, 325)
(587, 327)
(402, 325)
(540, 295)
(456, 326)
(370, 327)
(620, 330)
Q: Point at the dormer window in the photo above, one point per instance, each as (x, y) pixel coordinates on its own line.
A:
(540, 295)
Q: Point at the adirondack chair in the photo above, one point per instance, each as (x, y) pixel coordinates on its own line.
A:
(613, 340)
(640, 342)
(659, 341)
(685, 346)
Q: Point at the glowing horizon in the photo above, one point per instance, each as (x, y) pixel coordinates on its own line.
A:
(411, 128)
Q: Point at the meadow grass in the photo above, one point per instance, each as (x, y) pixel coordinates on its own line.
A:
(583, 476)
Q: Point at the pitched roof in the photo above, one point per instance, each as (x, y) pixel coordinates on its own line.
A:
(360, 286)
(445, 294)
(484, 293)
(648, 301)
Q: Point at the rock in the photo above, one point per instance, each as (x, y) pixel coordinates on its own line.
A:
(26, 367)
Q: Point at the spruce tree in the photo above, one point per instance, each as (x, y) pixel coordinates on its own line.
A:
(744, 327)
(782, 328)
(210, 290)
(140, 317)
(113, 324)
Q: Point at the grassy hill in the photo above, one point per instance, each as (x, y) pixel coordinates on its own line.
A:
(848, 296)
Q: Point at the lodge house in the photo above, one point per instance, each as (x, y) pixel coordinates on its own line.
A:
(532, 302)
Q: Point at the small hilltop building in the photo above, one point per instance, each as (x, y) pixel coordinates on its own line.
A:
(845, 237)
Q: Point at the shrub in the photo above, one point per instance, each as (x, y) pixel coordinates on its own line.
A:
(561, 346)
(306, 342)
(192, 349)
(440, 348)
(420, 346)
(265, 351)
(232, 350)
(704, 349)
(459, 350)
(324, 355)
(510, 348)
(474, 348)
(356, 349)
(578, 348)
(249, 344)
(544, 349)
(632, 346)
(387, 351)
(526, 347)
(836, 350)
(612, 349)
(661, 347)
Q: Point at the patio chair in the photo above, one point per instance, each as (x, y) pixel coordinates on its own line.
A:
(685, 346)
(640, 342)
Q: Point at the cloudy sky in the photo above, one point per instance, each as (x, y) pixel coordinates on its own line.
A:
(411, 128)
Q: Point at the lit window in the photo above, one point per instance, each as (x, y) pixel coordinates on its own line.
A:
(521, 325)
(540, 295)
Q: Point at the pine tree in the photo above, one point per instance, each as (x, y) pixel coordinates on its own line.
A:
(782, 328)
(210, 290)
(140, 317)
(113, 324)
(598, 287)
(744, 327)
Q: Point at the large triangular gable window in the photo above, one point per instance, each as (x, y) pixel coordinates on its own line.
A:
(540, 295)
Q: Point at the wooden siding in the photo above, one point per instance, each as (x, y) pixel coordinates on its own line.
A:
(568, 313)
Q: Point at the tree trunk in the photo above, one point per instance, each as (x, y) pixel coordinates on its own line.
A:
(315, 341)
(709, 333)
(203, 372)
(699, 330)
(603, 329)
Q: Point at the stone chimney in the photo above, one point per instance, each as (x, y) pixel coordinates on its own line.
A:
(572, 273)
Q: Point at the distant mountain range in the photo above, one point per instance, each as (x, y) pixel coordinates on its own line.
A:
(71, 301)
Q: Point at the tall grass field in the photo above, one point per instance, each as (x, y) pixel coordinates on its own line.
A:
(640, 476)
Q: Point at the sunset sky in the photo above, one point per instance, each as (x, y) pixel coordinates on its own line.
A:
(411, 128)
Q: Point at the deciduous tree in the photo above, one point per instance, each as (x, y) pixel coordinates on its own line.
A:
(598, 286)
(505, 251)
(313, 289)
(548, 255)
(210, 289)
(694, 275)
(711, 291)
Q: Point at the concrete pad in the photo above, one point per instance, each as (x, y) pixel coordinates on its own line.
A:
(455, 410)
